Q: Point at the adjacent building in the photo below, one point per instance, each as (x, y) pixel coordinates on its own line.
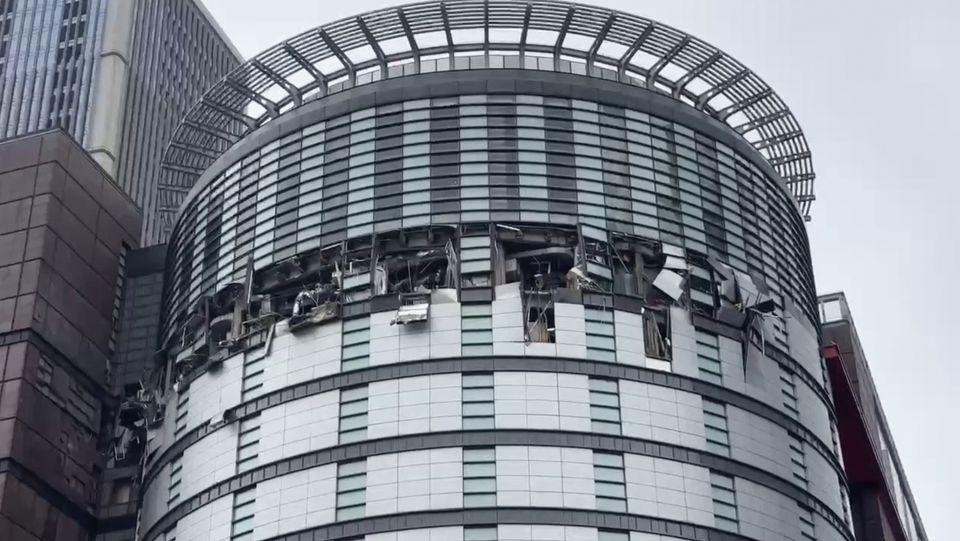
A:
(65, 231)
(117, 75)
(882, 504)
(492, 270)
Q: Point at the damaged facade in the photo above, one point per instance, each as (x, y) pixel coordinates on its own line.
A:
(534, 292)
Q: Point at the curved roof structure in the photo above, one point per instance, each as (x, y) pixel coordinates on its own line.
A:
(488, 34)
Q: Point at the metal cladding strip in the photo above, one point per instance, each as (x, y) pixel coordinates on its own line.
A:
(512, 515)
(496, 364)
(548, 438)
(56, 499)
(612, 44)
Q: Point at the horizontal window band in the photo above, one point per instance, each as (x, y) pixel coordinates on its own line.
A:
(471, 438)
(497, 364)
(605, 520)
(601, 300)
(486, 82)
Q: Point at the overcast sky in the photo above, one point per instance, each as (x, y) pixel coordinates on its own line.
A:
(873, 85)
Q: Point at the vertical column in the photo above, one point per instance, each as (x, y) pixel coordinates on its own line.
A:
(609, 482)
(478, 402)
(532, 156)
(616, 169)
(310, 204)
(642, 187)
(475, 266)
(361, 173)
(106, 125)
(807, 522)
(388, 169)
(241, 525)
(797, 459)
(226, 252)
(668, 202)
(563, 161)
(356, 344)
(180, 424)
(604, 406)
(715, 426)
(730, 204)
(173, 487)
(248, 443)
(788, 391)
(416, 163)
(288, 196)
(335, 176)
(479, 477)
(247, 212)
(503, 155)
(266, 206)
(474, 160)
(601, 345)
(708, 357)
(724, 502)
(351, 489)
(445, 160)
(353, 414)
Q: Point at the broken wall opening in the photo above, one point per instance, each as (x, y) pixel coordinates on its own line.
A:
(353, 269)
(417, 261)
(540, 260)
(656, 333)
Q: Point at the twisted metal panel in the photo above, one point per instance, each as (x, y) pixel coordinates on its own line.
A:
(451, 35)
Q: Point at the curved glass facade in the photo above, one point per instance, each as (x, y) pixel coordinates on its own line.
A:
(505, 305)
(490, 157)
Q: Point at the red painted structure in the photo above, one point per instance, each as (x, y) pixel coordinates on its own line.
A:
(861, 456)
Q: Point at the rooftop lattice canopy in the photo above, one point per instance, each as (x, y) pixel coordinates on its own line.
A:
(478, 34)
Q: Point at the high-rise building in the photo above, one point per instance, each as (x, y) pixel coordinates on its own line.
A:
(118, 75)
(881, 502)
(492, 270)
(65, 231)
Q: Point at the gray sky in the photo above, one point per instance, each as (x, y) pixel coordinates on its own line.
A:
(872, 84)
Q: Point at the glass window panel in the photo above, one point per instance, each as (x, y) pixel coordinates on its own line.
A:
(354, 422)
(478, 423)
(478, 408)
(477, 380)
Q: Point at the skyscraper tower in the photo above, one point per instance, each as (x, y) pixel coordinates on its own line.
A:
(492, 270)
(117, 75)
